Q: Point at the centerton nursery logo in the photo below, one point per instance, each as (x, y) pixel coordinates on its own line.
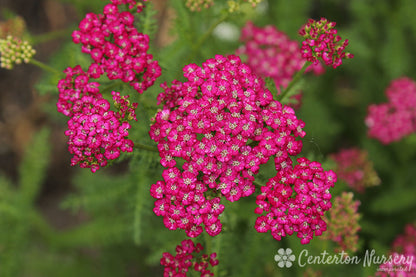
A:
(284, 258)
(393, 262)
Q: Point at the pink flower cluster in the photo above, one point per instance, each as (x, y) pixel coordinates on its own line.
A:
(117, 48)
(72, 88)
(222, 124)
(295, 200)
(322, 42)
(96, 133)
(389, 122)
(343, 223)
(354, 168)
(186, 258)
(271, 53)
(404, 252)
(182, 203)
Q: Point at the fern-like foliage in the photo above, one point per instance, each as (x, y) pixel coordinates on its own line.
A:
(16, 204)
(147, 21)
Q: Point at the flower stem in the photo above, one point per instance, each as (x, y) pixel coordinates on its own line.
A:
(109, 86)
(257, 185)
(294, 81)
(50, 36)
(217, 250)
(207, 34)
(45, 67)
(208, 245)
(146, 147)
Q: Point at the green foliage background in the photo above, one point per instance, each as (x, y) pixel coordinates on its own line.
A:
(122, 236)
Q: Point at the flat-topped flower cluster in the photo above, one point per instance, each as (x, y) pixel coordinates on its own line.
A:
(271, 53)
(96, 133)
(117, 47)
(391, 121)
(322, 42)
(188, 258)
(213, 133)
(294, 201)
(355, 168)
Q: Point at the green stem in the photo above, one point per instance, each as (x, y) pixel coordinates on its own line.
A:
(207, 34)
(217, 248)
(50, 36)
(257, 185)
(45, 67)
(146, 147)
(109, 86)
(208, 245)
(295, 79)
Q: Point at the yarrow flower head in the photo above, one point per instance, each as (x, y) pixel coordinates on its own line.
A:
(271, 53)
(391, 121)
(117, 47)
(406, 243)
(322, 43)
(14, 51)
(223, 124)
(342, 223)
(404, 253)
(294, 201)
(188, 258)
(97, 133)
(355, 169)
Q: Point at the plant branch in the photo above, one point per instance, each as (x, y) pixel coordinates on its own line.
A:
(51, 35)
(257, 185)
(146, 147)
(45, 67)
(207, 34)
(217, 250)
(295, 79)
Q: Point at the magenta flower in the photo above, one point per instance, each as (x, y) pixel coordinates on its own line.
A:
(116, 47)
(294, 201)
(97, 134)
(395, 119)
(355, 169)
(322, 43)
(271, 53)
(187, 258)
(404, 256)
(223, 124)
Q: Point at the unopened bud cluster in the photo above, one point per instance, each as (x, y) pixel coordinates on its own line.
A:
(323, 42)
(343, 223)
(15, 51)
(198, 5)
(233, 5)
